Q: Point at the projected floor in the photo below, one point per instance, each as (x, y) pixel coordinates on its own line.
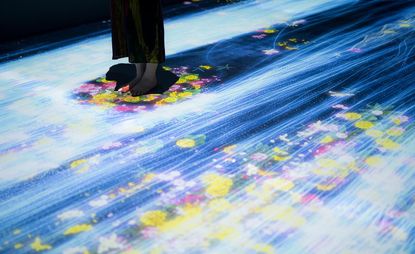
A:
(290, 130)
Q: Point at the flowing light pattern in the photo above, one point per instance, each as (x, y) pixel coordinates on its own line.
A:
(305, 146)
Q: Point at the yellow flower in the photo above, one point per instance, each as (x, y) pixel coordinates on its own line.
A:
(192, 210)
(270, 31)
(181, 80)
(330, 167)
(183, 223)
(279, 151)
(177, 224)
(186, 143)
(263, 248)
(280, 184)
(76, 163)
(173, 94)
(395, 131)
(223, 233)
(325, 187)
(250, 188)
(374, 133)
(283, 213)
(77, 229)
(185, 94)
(157, 250)
(170, 99)
(153, 218)
(290, 48)
(327, 139)
(131, 251)
(387, 144)
(218, 186)
(229, 149)
(218, 189)
(399, 234)
(103, 80)
(104, 97)
(399, 119)
(364, 125)
(281, 158)
(192, 77)
(150, 97)
(219, 205)
(149, 177)
(389, 31)
(38, 246)
(130, 98)
(206, 67)
(373, 160)
(328, 163)
(352, 116)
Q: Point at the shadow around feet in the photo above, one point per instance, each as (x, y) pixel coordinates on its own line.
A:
(123, 73)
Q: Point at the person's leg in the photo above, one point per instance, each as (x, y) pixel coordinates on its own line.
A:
(140, 68)
(150, 42)
(147, 82)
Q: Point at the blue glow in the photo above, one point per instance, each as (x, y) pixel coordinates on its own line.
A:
(308, 147)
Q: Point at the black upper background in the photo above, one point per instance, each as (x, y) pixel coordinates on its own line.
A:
(23, 18)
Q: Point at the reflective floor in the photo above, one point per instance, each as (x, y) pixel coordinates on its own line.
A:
(290, 130)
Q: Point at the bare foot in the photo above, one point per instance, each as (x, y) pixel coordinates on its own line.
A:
(140, 67)
(147, 82)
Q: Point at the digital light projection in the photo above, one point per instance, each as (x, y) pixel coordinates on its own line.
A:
(279, 137)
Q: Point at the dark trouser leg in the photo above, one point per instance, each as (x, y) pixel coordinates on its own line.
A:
(138, 30)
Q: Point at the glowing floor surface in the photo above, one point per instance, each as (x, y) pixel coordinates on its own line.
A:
(290, 130)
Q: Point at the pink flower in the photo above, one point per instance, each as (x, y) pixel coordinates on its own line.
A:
(259, 156)
(88, 88)
(309, 198)
(149, 232)
(111, 145)
(298, 22)
(191, 199)
(124, 108)
(108, 85)
(355, 50)
(259, 36)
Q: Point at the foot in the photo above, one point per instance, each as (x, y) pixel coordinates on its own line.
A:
(147, 82)
(140, 67)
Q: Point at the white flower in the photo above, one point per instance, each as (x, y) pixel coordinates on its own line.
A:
(284, 138)
(340, 94)
(94, 159)
(76, 250)
(182, 184)
(251, 169)
(109, 243)
(377, 112)
(270, 51)
(169, 176)
(341, 135)
(340, 106)
(70, 214)
(101, 201)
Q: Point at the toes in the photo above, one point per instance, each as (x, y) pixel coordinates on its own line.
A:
(136, 92)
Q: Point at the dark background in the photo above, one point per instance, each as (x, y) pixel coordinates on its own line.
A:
(24, 18)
